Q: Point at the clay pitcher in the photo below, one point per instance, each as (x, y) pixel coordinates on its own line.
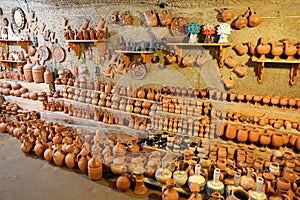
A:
(82, 163)
(168, 191)
(39, 149)
(70, 160)
(226, 15)
(254, 18)
(58, 156)
(165, 17)
(150, 17)
(48, 154)
(241, 21)
(241, 48)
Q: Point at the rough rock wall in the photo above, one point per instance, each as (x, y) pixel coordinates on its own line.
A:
(280, 19)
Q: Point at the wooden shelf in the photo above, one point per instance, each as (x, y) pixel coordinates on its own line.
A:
(24, 44)
(75, 45)
(295, 66)
(145, 55)
(8, 64)
(178, 49)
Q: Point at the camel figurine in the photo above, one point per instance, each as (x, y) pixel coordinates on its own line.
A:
(42, 29)
(120, 68)
(108, 71)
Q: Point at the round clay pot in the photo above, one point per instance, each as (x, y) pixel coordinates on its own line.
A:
(265, 139)
(277, 140)
(242, 135)
(283, 184)
(123, 183)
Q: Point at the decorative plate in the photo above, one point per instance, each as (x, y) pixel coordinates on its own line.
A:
(137, 70)
(44, 52)
(179, 26)
(18, 18)
(58, 54)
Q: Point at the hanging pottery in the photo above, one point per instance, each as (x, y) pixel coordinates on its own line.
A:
(241, 70)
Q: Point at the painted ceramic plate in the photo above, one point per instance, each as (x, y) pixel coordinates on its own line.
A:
(58, 54)
(137, 70)
(18, 18)
(179, 26)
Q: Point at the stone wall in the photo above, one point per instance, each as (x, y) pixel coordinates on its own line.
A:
(280, 19)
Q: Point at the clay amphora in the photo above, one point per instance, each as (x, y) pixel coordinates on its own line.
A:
(241, 70)
(230, 62)
(241, 48)
(94, 169)
(123, 182)
(168, 191)
(254, 18)
(39, 149)
(28, 70)
(276, 51)
(165, 17)
(241, 21)
(37, 72)
(263, 48)
(150, 17)
(226, 15)
(48, 76)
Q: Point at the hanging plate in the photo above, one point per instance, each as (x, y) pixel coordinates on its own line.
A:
(44, 52)
(58, 54)
(18, 18)
(179, 26)
(137, 70)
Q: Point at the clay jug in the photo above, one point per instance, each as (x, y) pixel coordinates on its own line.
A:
(150, 94)
(226, 15)
(254, 18)
(48, 154)
(140, 187)
(141, 93)
(165, 18)
(58, 156)
(277, 141)
(28, 70)
(241, 21)
(276, 51)
(48, 76)
(82, 162)
(94, 169)
(37, 72)
(26, 146)
(242, 135)
(241, 70)
(230, 62)
(168, 191)
(263, 48)
(241, 48)
(70, 160)
(150, 17)
(123, 183)
(39, 149)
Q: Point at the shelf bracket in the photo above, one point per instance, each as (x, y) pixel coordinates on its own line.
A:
(24, 45)
(100, 46)
(260, 71)
(75, 47)
(221, 56)
(147, 60)
(294, 73)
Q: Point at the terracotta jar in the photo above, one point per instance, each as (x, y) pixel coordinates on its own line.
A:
(215, 185)
(263, 48)
(133, 146)
(28, 70)
(168, 191)
(265, 139)
(48, 154)
(283, 184)
(242, 135)
(231, 130)
(241, 21)
(94, 169)
(277, 140)
(37, 72)
(140, 187)
(247, 182)
(165, 17)
(241, 48)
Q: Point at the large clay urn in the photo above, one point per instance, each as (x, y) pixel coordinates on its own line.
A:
(94, 168)
(226, 15)
(38, 72)
(168, 191)
(254, 18)
(263, 49)
(28, 70)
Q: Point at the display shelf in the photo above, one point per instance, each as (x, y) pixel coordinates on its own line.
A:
(31, 86)
(75, 45)
(91, 124)
(8, 64)
(24, 44)
(295, 66)
(178, 49)
(145, 55)
(105, 108)
(27, 104)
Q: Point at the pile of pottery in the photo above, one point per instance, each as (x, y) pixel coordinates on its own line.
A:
(85, 32)
(16, 89)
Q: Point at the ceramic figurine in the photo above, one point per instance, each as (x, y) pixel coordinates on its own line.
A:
(223, 30)
(194, 30)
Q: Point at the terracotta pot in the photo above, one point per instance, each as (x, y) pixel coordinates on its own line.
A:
(241, 21)
(165, 17)
(242, 135)
(265, 139)
(254, 135)
(37, 72)
(263, 48)
(241, 48)
(277, 140)
(58, 157)
(297, 143)
(283, 184)
(229, 83)
(48, 155)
